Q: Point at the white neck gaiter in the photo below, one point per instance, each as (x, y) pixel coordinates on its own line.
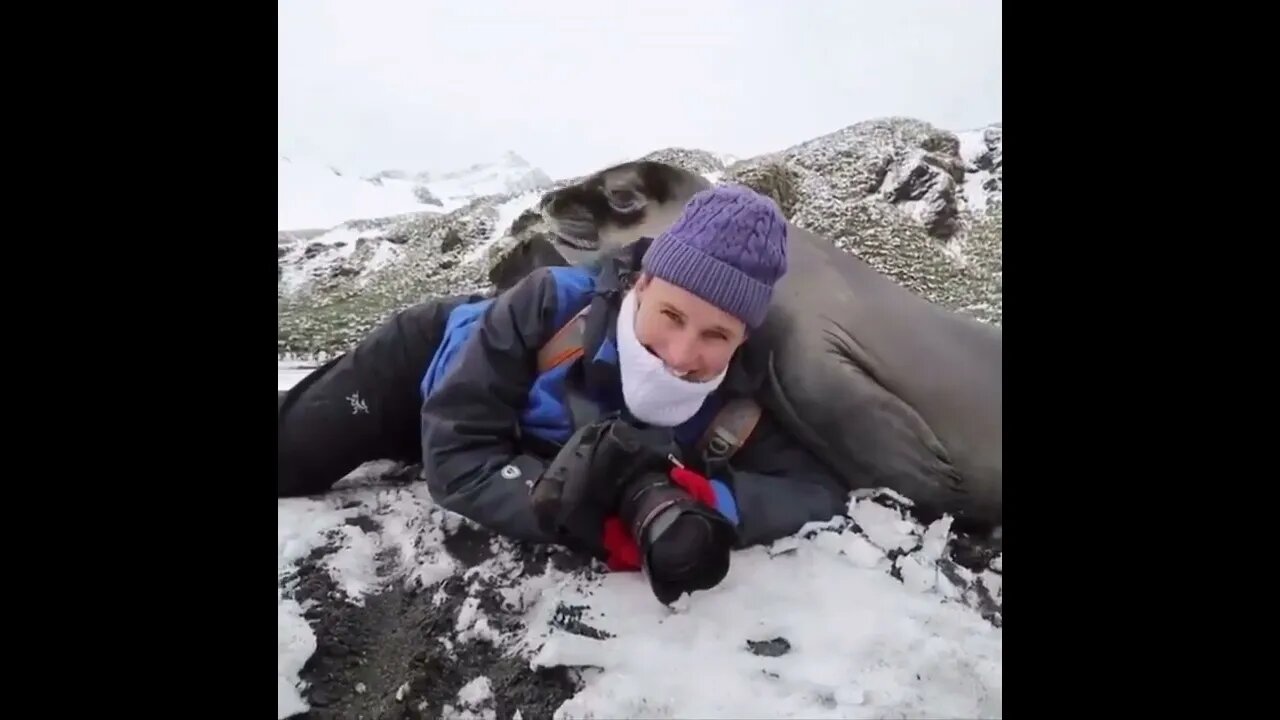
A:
(652, 393)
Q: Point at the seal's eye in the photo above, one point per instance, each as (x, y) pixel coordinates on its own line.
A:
(624, 200)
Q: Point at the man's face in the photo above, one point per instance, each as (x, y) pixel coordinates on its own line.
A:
(693, 337)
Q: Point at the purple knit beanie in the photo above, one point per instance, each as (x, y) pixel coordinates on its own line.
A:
(728, 247)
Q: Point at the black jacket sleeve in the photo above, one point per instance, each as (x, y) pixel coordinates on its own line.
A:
(470, 423)
(778, 486)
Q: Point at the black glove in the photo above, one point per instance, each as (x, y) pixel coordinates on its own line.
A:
(684, 545)
(583, 484)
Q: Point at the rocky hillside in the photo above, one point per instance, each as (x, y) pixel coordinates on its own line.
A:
(909, 198)
(920, 203)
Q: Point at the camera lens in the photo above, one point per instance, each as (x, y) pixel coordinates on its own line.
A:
(683, 545)
(684, 548)
(643, 500)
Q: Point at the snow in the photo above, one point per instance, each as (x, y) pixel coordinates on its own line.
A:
(861, 644)
(511, 174)
(411, 530)
(316, 197)
(300, 528)
(474, 702)
(855, 641)
(384, 255)
(312, 195)
(331, 249)
(972, 146)
(289, 373)
(328, 250)
(296, 643)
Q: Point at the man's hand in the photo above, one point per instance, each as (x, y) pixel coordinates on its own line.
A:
(583, 484)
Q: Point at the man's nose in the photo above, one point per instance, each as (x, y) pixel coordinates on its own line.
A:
(682, 354)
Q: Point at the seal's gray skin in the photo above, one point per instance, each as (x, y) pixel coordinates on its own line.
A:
(890, 389)
(618, 205)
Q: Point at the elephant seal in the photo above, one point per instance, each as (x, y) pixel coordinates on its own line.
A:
(888, 388)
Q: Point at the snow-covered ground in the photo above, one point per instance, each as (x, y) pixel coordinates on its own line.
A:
(288, 373)
(815, 626)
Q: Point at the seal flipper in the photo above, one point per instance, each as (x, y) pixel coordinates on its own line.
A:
(868, 436)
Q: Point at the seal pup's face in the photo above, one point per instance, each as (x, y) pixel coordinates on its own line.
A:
(619, 205)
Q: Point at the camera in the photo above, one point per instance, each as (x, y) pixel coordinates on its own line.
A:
(684, 545)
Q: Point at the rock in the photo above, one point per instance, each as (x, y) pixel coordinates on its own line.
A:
(698, 161)
(888, 191)
(931, 183)
(424, 196)
(777, 647)
(773, 178)
(452, 241)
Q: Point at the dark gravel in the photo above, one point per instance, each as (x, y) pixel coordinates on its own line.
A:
(384, 659)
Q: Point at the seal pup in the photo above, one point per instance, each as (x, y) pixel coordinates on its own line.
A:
(617, 206)
(889, 389)
(602, 211)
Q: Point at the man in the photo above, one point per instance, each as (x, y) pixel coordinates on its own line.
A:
(602, 453)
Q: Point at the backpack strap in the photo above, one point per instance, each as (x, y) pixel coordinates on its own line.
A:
(729, 429)
(566, 345)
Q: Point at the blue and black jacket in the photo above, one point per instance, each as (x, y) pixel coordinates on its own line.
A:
(491, 423)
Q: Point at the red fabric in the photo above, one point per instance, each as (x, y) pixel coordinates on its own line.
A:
(623, 552)
(696, 485)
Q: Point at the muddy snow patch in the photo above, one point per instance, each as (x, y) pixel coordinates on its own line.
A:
(392, 607)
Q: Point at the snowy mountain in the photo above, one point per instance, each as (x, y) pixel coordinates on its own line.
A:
(920, 203)
(511, 174)
(313, 195)
(330, 225)
(391, 607)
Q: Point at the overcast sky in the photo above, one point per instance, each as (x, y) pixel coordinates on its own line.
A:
(572, 85)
